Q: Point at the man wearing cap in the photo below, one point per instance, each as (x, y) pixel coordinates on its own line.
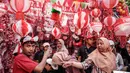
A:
(86, 49)
(39, 54)
(49, 67)
(23, 63)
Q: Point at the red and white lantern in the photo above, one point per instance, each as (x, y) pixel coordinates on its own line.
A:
(56, 32)
(122, 26)
(96, 26)
(95, 12)
(108, 4)
(22, 28)
(3, 9)
(122, 29)
(109, 21)
(81, 19)
(20, 7)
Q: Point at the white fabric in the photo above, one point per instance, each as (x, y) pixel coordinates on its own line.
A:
(46, 44)
(111, 42)
(54, 66)
(29, 38)
(128, 41)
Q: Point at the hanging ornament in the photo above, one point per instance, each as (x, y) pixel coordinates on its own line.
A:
(109, 4)
(81, 19)
(56, 32)
(121, 27)
(95, 12)
(96, 26)
(20, 7)
(22, 28)
(109, 21)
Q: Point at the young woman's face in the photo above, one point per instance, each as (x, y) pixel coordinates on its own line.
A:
(46, 47)
(101, 46)
(28, 49)
(59, 45)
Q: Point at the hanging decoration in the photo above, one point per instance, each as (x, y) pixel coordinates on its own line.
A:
(109, 21)
(20, 7)
(22, 28)
(96, 26)
(56, 32)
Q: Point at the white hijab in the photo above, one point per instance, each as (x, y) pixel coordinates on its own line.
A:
(63, 49)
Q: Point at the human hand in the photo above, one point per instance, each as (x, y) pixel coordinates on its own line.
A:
(67, 64)
(48, 52)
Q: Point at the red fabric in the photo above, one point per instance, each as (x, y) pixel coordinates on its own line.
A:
(22, 64)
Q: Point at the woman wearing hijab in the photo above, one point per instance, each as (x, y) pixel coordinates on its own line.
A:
(60, 57)
(61, 46)
(102, 59)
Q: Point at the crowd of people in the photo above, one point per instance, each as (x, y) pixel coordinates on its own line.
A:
(99, 55)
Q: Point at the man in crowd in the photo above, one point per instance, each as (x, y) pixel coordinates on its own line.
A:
(23, 63)
(86, 49)
(49, 67)
(39, 54)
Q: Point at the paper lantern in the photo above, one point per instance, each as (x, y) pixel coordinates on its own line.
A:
(107, 4)
(109, 21)
(81, 19)
(56, 32)
(20, 7)
(95, 12)
(22, 28)
(3, 9)
(122, 29)
(96, 26)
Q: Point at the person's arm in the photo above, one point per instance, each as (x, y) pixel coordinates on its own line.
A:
(41, 65)
(81, 65)
(120, 62)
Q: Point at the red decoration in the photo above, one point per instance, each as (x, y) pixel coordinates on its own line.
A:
(95, 12)
(22, 28)
(56, 32)
(109, 21)
(108, 4)
(20, 7)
